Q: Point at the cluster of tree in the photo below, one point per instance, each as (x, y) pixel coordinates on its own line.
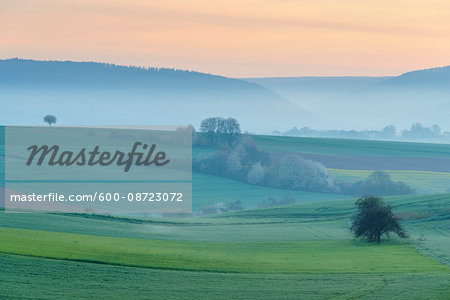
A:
(378, 183)
(219, 131)
(271, 202)
(220, 207)
(420, 132)
(242, 160)
(374, 219)
(247, 163)
(417, 132)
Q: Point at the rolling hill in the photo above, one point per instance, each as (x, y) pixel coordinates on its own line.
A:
(307, 91)
(435, 78)
(304, 250)
(106, 94)
(369, 102)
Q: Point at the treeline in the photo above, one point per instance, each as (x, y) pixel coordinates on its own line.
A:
(100, 75)
(415, 133)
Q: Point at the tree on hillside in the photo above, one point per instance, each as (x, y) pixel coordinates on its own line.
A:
(227, 130)
(375, 219)
(231, 129)
(209, 128)
(50, 119)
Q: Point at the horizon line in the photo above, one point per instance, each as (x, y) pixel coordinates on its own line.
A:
(216, 74)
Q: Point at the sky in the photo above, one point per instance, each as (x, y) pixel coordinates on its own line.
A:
(237, 38)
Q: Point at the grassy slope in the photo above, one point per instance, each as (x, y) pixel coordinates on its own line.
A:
(307, 221)
(40, 278)
(422, 181)
(426, 217)
(325, 224)
(262, 257)
(426, 214)
(314, 238)
(208, 189)
(346, 147)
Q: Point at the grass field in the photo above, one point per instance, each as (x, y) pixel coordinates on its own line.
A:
(348, 147)
(256, 257)
(28, 277)
(421, 181)
(208, 189)
(301, 251)
(425, 167)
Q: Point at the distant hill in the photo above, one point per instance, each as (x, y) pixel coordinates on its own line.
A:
(435, 78)
(417, 96)
(69, 74)
(99, 93)
(308, 90)
(369, 102)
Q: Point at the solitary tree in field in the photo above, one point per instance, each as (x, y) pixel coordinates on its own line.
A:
(50, 119)
(375, 218)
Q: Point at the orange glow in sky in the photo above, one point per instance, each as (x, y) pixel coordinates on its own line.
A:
(239, 38)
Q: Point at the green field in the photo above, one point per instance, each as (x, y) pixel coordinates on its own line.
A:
(299, 250)
(421, 181)
(27, 277)
(349, 147)
(241, 257)
(208, 189)
(354, 160)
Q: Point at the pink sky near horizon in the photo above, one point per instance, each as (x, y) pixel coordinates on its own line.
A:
(245, 38)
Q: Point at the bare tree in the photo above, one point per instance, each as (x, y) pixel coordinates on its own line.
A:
(227, 130)
(231, 130)
(209, 127)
